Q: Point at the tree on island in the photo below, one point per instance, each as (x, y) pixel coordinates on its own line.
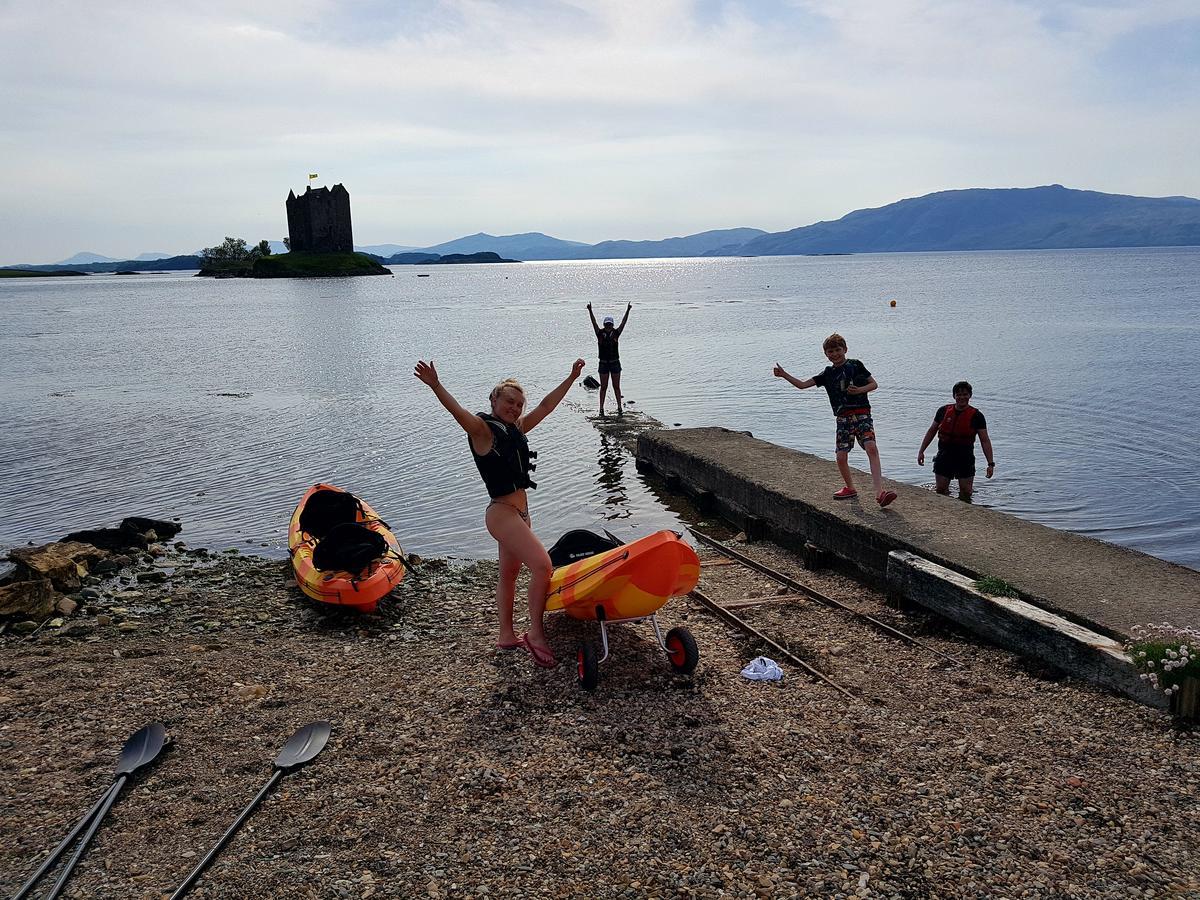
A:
(233, 255)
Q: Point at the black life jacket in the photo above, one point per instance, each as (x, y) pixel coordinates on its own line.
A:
(956, 429)
(607, 349)
(506, 467)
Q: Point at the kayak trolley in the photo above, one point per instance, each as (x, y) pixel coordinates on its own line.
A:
(600, 578)
(679, 645)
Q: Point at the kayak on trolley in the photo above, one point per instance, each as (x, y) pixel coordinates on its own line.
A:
(598, 578)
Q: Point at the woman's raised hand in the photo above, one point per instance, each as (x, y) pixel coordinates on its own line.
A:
(577, 368)
(426, 373)
(589, 306)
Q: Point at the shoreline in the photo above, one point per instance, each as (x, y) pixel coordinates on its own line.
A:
(457, 770)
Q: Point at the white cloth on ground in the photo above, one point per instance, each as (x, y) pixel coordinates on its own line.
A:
(763, 669)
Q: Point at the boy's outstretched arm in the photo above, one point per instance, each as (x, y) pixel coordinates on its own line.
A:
(985, 444)
(779, 372)
(530, 420)
(933, 429)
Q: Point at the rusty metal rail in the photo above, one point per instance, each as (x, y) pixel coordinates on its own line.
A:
(817, 595)
(722, 613)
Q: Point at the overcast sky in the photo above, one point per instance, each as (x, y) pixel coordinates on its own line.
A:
(128, 127)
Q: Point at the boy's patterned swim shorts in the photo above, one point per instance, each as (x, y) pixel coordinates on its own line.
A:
(860, 426)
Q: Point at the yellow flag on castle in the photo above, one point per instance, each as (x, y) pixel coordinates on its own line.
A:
(312, 176)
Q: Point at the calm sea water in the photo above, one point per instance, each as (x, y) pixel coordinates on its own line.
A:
(219, 402)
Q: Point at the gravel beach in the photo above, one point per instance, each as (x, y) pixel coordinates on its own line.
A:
(458, 770)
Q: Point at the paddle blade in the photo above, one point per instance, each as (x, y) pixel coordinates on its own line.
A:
(142, 748)
(304, 745)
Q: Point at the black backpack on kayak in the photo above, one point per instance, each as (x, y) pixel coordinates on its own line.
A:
(326, 509)
(349, 547)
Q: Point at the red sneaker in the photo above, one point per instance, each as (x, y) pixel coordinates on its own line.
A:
(845, 493)
(886, 497)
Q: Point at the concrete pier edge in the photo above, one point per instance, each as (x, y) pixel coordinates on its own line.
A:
(1020, 626)
(1079, 597)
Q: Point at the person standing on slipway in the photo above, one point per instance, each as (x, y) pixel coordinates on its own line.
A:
(609, 356)
(847, 382)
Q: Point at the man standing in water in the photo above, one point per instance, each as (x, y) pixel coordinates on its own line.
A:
(609, 357)
(956, 425)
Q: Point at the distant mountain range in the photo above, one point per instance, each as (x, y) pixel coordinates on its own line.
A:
(80, 259)
(1040, 218)
(83, 259)
(531, 245)
(1049, 217)
(376, 249)
(693, 245)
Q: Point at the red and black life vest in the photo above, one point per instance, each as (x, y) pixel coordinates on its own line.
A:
(956, 429)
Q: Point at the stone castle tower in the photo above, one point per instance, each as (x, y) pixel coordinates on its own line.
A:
(319, 221)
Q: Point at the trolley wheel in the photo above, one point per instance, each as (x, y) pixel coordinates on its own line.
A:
(682, 650)
(589, 667)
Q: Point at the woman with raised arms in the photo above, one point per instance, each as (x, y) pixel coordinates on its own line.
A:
(504, 460)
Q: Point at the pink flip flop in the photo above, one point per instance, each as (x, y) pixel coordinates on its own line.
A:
(518, 644)
(542, 657)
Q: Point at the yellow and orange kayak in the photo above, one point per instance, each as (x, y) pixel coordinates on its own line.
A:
(627, 582)
(358, 590)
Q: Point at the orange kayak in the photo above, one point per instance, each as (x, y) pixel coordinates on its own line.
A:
(627, 582)
(358, 590)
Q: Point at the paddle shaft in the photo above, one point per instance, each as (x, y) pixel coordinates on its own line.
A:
(87, 837)
(50, 860)
(225, 838)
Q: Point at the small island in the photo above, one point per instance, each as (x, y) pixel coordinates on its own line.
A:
(32, 273)
(320, 244)
(316, 265)
(455, 259)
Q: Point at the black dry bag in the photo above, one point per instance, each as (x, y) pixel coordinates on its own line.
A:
(349, 547)
(326, 509)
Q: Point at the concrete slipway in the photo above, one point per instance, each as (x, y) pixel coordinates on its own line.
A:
(922, 545)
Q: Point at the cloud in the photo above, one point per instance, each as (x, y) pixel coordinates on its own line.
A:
(159, 124)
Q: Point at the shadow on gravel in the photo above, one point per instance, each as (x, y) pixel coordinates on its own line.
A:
(642, 721)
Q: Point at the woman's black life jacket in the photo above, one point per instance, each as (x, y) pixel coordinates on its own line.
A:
(506, 467)
(955, 429)
(606, 342)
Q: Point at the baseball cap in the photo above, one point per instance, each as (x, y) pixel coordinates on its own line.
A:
(608, 320)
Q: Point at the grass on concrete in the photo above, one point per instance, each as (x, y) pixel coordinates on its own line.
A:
(996, 587)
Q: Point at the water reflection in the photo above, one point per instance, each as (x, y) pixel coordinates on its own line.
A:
(611, 478)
